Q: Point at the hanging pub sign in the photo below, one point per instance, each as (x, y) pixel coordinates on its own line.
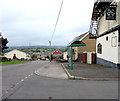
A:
(111, 13)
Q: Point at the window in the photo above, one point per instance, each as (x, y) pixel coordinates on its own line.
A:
(114, 41)
(107, 38)
(99, 48)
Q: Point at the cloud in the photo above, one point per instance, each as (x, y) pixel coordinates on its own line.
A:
(33, 21)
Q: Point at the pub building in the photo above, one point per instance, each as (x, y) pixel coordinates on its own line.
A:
(105, 24)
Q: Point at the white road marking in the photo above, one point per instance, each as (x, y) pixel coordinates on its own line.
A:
(25, 77)
(17, 83)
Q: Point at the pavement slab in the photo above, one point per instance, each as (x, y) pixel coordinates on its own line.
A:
(92, 72)
(52, 69)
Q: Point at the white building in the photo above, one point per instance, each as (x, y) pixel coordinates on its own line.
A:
(19, 54)
(65, 55)
(106, 20)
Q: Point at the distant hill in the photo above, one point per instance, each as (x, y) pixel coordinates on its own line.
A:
(37, 47)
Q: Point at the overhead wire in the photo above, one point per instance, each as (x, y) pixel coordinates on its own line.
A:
(56, 22)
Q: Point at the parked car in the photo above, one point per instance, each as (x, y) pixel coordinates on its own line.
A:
(44, 59)
(3, 59)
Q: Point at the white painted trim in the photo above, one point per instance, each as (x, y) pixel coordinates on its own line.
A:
(118, 43)
(84, 36)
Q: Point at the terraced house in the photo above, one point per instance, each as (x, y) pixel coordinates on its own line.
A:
(105, 24)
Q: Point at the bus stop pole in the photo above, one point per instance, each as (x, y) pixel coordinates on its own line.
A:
(71, 62)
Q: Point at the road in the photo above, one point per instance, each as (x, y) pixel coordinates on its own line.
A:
(20, 82)
(14, 73)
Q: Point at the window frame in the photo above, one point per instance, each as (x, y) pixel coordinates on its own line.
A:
(114, 39)
(99, 48)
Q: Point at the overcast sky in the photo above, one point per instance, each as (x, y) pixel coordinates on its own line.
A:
(31, 22)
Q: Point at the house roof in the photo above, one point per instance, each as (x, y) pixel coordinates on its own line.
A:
(80, 37)
(57, 52)
(47, 53)
(14, 50)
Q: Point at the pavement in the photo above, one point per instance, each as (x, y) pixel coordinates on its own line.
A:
(80, 72)
(91, 72)
(52, 69)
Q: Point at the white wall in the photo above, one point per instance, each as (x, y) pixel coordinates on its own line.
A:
(76, 53)
(65, 55)
(109, 53)
(119, 54)
(19, 54)
(89, 57)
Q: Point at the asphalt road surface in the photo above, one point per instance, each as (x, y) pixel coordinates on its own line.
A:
(14, 73)
(20, 82)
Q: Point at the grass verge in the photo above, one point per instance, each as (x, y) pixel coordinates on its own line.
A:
(13, 62)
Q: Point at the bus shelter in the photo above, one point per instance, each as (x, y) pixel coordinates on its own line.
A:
(74, 44)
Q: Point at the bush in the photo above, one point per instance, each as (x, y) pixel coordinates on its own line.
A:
(61, 57)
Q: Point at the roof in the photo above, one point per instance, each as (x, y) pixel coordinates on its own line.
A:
(77, 43)
(80, 37)
(47, 53)
(57, 52)
(14, 50)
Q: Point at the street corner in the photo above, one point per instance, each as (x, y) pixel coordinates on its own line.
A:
(71, 77)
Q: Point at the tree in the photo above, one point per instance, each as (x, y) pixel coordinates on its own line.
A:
(34, 57)
(66, 50)
(3, 44)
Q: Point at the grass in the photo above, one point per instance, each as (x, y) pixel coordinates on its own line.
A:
(13, 62)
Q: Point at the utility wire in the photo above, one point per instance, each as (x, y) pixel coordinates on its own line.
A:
(56, 23)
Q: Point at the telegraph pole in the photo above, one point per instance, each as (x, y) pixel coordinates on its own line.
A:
(50, 44)
(56, 22)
